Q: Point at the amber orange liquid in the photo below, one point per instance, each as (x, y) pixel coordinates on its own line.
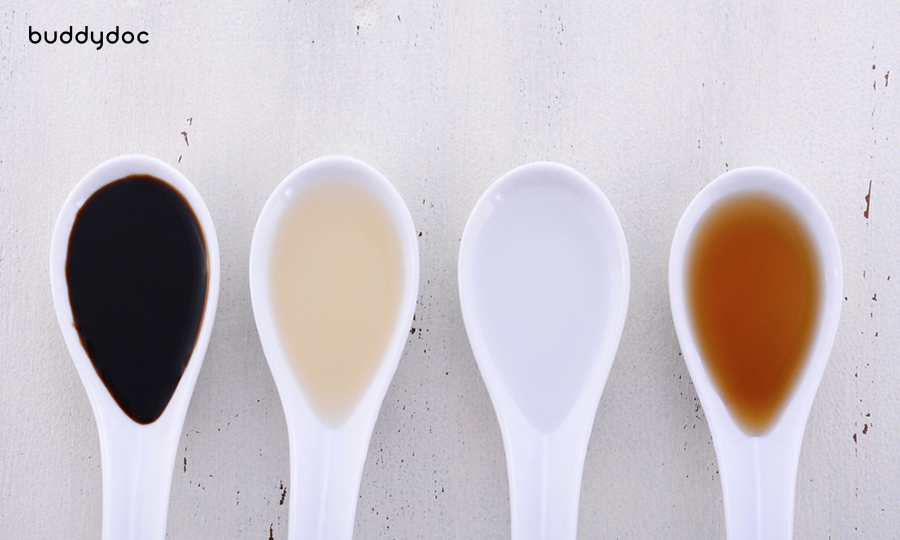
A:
(753, 295)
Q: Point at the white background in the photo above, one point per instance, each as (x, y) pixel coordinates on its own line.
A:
(650, 100)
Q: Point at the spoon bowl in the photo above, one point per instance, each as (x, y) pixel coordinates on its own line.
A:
(759, 471)
(327, 451)
(136, 458)
(543, 288)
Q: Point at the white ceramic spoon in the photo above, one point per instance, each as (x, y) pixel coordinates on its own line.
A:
(759, 473)
(543, 288)
(327, 460)
(136, 459)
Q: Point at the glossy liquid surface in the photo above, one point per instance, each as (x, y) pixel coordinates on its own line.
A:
(137, 274)
(544, 295)
(336, 277)
(753, 290)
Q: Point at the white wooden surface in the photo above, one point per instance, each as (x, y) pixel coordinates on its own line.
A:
(651, 100)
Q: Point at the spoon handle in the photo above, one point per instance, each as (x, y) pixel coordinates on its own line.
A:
(544, 483)
(136, 464)
(758, 481)
(326, 468)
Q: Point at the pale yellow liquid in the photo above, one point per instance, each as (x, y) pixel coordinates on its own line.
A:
(336, 282)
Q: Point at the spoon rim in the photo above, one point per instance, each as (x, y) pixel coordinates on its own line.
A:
(104, 406)
(788, 190)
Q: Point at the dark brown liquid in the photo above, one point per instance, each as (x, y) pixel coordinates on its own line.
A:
(753, 295)
(138, 274)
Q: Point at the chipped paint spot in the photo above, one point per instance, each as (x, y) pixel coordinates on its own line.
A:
(365, 15)
(868, 200)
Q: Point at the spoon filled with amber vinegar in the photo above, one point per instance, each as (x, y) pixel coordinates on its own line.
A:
(134, 270)
(755, 284)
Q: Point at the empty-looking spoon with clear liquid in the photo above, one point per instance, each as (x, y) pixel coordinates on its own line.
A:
(334, 276)
(543, 288)
(134, 269)
(755, 285)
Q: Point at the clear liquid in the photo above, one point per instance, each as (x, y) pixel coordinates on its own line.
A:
(544, 294)
(336, 278)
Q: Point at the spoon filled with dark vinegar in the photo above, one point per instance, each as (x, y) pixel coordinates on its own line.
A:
(134, 271)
